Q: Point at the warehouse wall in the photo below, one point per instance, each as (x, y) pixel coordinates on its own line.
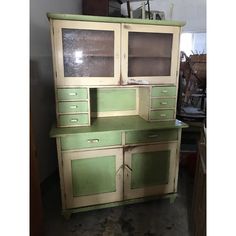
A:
(41, 78)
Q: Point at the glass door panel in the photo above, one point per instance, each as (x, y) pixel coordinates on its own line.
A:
(88, 53)
(149, 54)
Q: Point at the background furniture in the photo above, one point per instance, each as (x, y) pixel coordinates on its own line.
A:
(117, 137)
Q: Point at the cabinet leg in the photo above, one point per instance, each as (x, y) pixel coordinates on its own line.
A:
(172, 199)
(66, 215)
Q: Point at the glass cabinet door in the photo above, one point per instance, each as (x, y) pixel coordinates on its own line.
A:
(150, 54)
(149, 170)
(86, 53)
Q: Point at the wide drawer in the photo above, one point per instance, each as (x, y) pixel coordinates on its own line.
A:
(66, 94)
(162, 115)
(163, 103)
(73, 120)
(91, 140)
(73, 107)
(163, 91)
(148, 136)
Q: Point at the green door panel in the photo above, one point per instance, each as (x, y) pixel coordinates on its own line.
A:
(73, 107)
(112, 99)
(162, 103)
(72, 94)
(162, 115)
(93, 175)
(150, 168)
(163, 91)
(147, 136)
(73, 120)
(91, 140)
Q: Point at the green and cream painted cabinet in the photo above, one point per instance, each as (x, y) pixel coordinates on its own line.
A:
(116, 84)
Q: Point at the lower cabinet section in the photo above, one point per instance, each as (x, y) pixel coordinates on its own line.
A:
(93, 177)
(102, 176)
(149, 170)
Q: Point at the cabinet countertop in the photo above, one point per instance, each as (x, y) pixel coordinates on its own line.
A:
(57, 16)
(120, 123)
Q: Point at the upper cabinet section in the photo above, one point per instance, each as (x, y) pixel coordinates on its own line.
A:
(99, 51)
(86, 53)
(150, 54)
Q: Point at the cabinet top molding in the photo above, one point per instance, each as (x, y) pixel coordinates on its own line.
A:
(74, 17)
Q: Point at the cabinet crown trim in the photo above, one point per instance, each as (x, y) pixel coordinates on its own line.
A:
(57, 16)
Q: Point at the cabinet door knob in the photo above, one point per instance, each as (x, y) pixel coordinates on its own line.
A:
(163, 103)
(164, 91)
(162, 115)
(153, 136)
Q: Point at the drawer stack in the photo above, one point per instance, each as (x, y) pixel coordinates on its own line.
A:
(157, 103)
(73, 107)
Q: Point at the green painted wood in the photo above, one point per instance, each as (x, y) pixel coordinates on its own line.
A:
(66, 94)
(57, 16)
(116, 204)
(112, 99)
(150, 169)
(162, 115)
(74, 119)
(163, 103)
(163, 91)
(119, 123)
(91, 140)
(73, 107)
(93, 175)
(148, 136)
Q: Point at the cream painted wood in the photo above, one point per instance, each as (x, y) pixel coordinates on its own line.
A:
(72, 202)
(173, 78)
(150, 190)
(177, 160)
(61, 174)
(144, 102)
(61, 80)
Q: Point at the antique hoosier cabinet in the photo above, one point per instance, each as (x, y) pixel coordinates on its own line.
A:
(116, 83)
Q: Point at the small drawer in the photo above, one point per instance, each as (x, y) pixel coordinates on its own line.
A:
(162, 115)
(72, 107)
(67, 94)
(91, 140)
(148, 136)
(73, 120)
(163, 91)
(162, 103)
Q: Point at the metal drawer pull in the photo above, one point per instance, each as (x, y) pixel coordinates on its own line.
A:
(72, 94)
(95, 140)
(153, 136)
(164, 91)
(162, 115)
(73, 106)
(74, 120)
(163, 103)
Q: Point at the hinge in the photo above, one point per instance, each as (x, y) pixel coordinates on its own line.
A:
(56, 74)
(53, 30)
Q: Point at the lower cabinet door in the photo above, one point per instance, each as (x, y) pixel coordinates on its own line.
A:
(93, 177)
(149, 170)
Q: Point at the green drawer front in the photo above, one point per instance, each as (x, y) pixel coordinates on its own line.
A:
(91, 140)
(163, 103)
(148, 136)
(72, 94)
(73, 120)
(72, 107)
(162, 115)
(163, 91)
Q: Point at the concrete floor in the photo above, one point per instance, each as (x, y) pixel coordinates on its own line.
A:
(159, 217)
